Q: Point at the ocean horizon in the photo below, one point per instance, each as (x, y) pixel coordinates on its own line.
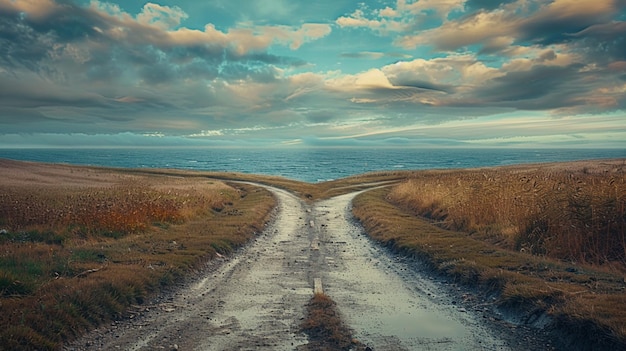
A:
(304, 164)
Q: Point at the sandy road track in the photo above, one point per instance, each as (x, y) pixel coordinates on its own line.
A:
(256, 299)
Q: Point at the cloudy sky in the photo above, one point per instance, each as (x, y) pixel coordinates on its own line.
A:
(461, 73)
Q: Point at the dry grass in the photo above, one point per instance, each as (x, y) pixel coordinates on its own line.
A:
(492, 210)
(325, 328)
(307, 191)
(80, 245)
(576, 214)
(84, 243)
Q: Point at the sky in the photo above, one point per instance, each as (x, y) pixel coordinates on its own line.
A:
(300, 73)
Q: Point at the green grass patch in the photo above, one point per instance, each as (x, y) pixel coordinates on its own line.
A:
(33, 236)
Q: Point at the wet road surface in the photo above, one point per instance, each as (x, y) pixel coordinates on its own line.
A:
(256, 299)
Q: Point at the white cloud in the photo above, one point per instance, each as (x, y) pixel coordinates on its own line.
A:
(306, 33)
(494, 26)
(153, 76)
(373, 78)
(161, 25)
(399, 19)
(382, 21)
(206, 133)
(357, 19)
(441, 7)
(454, 70)
(388, 12)
(163, 17)
(506, 24)
(247, 38)
(567, 9)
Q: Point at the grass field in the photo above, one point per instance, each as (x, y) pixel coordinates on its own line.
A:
(79, 246)
(570, 214)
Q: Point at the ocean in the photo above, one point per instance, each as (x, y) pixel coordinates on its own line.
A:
(305, 164)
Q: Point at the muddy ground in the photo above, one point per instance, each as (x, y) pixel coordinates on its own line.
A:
(256, 298)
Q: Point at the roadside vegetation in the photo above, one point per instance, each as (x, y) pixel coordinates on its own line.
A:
(79, 247)
(325, 328)
(306, 191)
(543, 238)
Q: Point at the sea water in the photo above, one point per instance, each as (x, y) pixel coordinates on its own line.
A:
(305, 164)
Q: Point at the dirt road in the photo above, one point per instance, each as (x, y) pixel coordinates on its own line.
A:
(255, 300)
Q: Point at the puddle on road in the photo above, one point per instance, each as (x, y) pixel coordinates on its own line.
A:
(388, 309)
(378, 307)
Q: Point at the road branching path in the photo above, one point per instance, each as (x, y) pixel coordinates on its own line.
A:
(256, 299)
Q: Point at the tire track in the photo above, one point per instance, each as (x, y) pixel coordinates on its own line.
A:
(256, 299)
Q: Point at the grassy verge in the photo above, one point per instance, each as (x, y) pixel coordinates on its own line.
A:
(574, 213)
(587, 299)
(79, 246)
(325, 328)
(307, 191)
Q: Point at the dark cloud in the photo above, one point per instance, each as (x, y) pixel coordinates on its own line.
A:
(486, 4)
(265, 58)
(65, 65)
(21, 45)
(67, 68)
(67, 22)
(493, 26)
(362, 55)
(36, 92)
(553, 24)
(38, 42)
(549, 30)
(320, 116)
(603, 42)
(421, 84)
(540, 88)
(16, 116)
(370, 55)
